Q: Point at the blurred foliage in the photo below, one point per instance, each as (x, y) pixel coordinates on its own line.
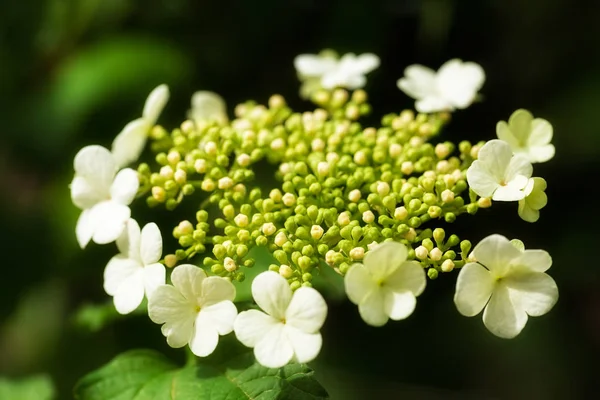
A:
(74, 72)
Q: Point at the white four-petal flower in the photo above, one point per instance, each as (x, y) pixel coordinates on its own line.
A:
(136, 270)
(195, 310)
(208, 106)
(327, 71)
(386, 284)
(103, 194)
(527, 135)
(508, 282)
(289, 328)
(455, 85)
(129, 144)
(535, 199)
(499, 174)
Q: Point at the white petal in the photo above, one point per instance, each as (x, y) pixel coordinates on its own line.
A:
(97, 166)
(372, 309)
(519, 166)
(459, 82)
(208, 106)
(118, 270)
(527, 213)
(399, 305)
(129, 143)
(504, 133)
(215, 290)
(84, 229)
(154, 276)
(501, 317)
(431, 104)
(85, 195)
(535, 293)
(306, 345)
(410, 276)
(474, 287)
(514, 190)
(367, 62)
(313, 65)
(205, 338)
(385, 259)
(495, 252)
(541, 132)
(125, 186)
(129, 241)
(540, 154)
(130, 293)
(272, 293)
(419, 82)
(358, 283)
(252, 325)
(150, 244)
(496, 155)
(532, 261)
(167, 305)
(520, 125)
(274, 350)
(187, 278)
(307, 310)
(220, 316)
(156, 101)
(481, 180)
(109, 220)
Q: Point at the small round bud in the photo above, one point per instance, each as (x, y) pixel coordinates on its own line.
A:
(447, 266)
(447, 196)
(360, 157)
(432, 273)
(268, 229)
(200, 166)
(357, 253)
(229, 264)
(421, 252)
(173, 157)
(277, 144)
(354, 195)
(316, 232)
(166, 172)
(344, 218)
(442, 150)
(400, 213)
(180, 177)
(435, 254)
(225, 183)
(208, 185)
(383, 188)
(411, 235)
(439, 234)
(323, 168)
(170, 260)
(243, 160)
(210, 148)
(407, 168)
(286, 271)
(185, 228)
(368, 217)
(475, 151)
(241, 220)
(159, 194)
(484, 202)
(289, 199)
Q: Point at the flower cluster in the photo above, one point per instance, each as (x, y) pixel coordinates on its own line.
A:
(361, 200)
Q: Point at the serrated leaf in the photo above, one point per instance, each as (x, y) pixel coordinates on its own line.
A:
(229, 374)
(37, 387)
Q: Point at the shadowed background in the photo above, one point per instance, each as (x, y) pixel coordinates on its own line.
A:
(74, 72)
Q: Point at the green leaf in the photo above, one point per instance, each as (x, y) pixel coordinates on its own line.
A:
(230, 373)
(37, 387)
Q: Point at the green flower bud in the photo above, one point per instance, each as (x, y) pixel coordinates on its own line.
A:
(274, 268)
(322, 249)
(450, 217)
(217, 269)
(249, 263)
(453, 240)
(438, 235)
(295, 285)
(414, 222)
(432, 273)
(472, 208)
(261, 241)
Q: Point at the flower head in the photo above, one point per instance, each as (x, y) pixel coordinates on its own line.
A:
(103, 194)
(288, 329)
(455, 85)
(535, 199)
(528, 136)
(327, 71)
(208, 106)
(386, 284)
(129, 144)
(507, 283)
(195, 310)
(136, 270)
(499, 174)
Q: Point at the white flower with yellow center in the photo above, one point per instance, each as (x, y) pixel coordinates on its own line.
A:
(136, 270)
(206, 107)
(288, 329)
(129, 144)
(499, 174)
(102, 194)
(453, 86)
(508, 283)
(326, 71)
(527, 136)
(534, 201)
(195, 310)
(385, 286)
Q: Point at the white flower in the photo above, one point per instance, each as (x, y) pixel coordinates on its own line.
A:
(535, 200)
(385, 285)
(455, 85)
(528, 136)
(208, 106)
(195, 310)
(103, 197)
(499, 174)
(129, 144)
(508, 282)
(136, 269)
(327, 71)
(289, 328)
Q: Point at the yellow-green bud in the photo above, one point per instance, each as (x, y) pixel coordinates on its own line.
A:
(447, 265)
(401, 213)
(357, 253)
(439, 234)
(447, 196)
(316, 232)
(170, 260)
(229, 264)
(241, 220)
(432, 273)
(159, 194)
(484, 202)
(269, 229)
(354, 195)
(435, 254)
(421, 252)
(286, 271)
(185, 228)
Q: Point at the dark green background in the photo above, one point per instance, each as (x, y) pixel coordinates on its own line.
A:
(73, 72)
